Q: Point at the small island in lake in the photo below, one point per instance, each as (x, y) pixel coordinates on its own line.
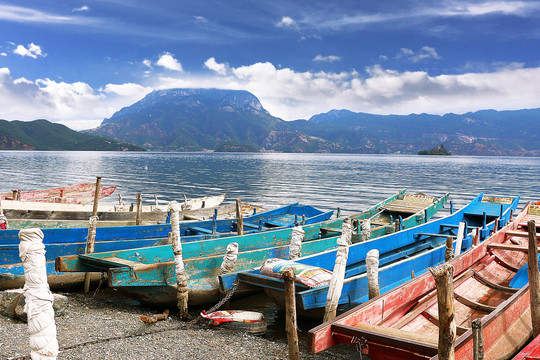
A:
(439, 150)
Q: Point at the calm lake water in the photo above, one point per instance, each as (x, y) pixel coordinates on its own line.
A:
(327, 181)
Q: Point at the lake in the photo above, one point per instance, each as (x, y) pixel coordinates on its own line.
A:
(328, 181)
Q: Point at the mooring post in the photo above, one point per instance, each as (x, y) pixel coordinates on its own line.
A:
(372, 272)
(138, 219)
(534, 279)
(181, 276)
(91, 239)
(290, 312)
(443, 276)
(478, 339)
(295, 247)
(239, 217)
(476, 240)
(338, 275)
(14, 195)
(38, 298)
(449, 253)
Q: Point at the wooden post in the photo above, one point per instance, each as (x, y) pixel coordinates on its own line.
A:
(443, 276)
(476, 240)
(290, 314)
(239, 217)
(91, 240)
(449, 253)
(412, 274)
(138, 219)
(338, 275)
(14, 196)
(120, 202)
(534, 279)
(478, 339)
(372, 271)
(96, 195)
(181, 275)
(37, 296)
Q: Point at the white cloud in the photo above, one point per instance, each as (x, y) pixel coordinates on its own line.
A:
(293, 95)
(284, 92)
(426, 52)
(213, 65)
(201, 19)
(33, 51)
(3, 54)
(21, 14)
(489, 7)
(286, 22)
(147, 63)
(329, 58)
(76, 105)
(82, 8)
(169, 62)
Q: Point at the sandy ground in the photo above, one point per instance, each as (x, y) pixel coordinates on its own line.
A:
(90, 319)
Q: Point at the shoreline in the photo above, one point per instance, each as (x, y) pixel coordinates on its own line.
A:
(90, 319)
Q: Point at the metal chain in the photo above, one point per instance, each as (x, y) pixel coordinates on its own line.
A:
(360, 343)
(225, 298)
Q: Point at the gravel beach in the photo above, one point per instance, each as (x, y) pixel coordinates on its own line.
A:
(90, 319)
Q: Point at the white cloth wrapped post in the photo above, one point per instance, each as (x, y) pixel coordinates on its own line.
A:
(38, 297)
(372, 271)
(338, 275)
(366, 230)
(181, 276)
(295, 248)
(229, 259)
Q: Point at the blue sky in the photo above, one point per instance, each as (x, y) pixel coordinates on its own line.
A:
(77, 62)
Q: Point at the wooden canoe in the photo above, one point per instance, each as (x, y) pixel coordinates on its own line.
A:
(402, 323)
(73, 194)
(413, 249)
(22, 212)
(531, 351)
(148, 275)
(108, 219)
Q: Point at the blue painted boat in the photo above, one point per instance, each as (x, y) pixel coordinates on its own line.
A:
(60, 242)
(148, 275)
(399, 255)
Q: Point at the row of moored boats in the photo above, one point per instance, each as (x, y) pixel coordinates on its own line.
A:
(488, 237)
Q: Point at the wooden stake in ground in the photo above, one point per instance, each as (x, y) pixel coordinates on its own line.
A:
(372, 273)
(443, 276)
(138, 219)
(91, 240)
(290, 313)
(38, 297)
(239, 217)
(338, 275)
(478, 339)
(449, 253)
(534, 279)
(181, 276)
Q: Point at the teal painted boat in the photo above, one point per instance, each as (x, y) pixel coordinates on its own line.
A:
(59, 242)
(412, 250)
(148, 275)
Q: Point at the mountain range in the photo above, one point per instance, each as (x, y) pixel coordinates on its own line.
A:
(233, 120)
(44, 135)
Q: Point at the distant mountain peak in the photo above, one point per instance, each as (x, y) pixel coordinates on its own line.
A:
(225, 100)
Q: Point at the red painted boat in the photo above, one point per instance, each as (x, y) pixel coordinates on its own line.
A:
(74, 194)
(531, 351)
(403, 323)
